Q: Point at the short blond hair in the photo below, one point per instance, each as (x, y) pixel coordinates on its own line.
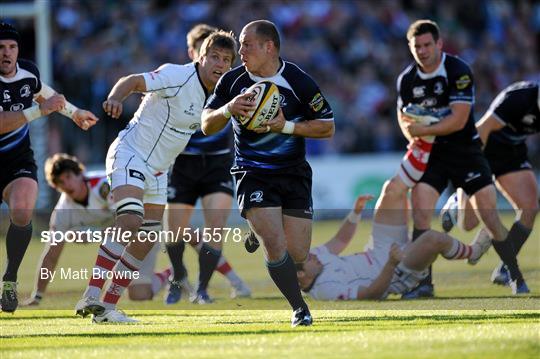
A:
(220, 39)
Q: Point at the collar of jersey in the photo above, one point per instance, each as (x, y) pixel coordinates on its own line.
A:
(273, 78)
(440, 71)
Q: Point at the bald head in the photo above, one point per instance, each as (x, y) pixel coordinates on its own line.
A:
(266, 31)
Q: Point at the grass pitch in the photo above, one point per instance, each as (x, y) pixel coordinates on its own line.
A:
(469, 318)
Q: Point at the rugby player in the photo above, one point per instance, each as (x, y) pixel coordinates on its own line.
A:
(20, 86)
(512, 116)
(436, 80)
(201, 171)
(85, 203)
(273, 178)
(138, 160)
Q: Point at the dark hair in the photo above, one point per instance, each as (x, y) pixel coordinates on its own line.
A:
(267, 30)
(8, 32)
(220, 39)
(421, 27)
(197, 34)
(60, 163)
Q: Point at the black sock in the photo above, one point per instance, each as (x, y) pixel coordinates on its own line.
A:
(506, 252)
(176, 256)
(518, 234)
(415, 234)
(283, 273)
(208, 260)
(17, 240)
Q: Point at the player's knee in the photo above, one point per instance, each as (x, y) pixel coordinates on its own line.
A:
(129, 214)
(394, 187)
(21, 216)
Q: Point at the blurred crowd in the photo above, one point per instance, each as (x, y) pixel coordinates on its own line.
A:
(354, 49)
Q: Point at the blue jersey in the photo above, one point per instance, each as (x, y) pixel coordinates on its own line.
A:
(300, 99)
(17, 94)
(517, 107)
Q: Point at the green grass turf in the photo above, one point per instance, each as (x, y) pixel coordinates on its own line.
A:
(470, 316)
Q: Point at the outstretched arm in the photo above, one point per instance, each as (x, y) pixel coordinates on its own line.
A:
(377, 288)
(12, 120)
(344, 235)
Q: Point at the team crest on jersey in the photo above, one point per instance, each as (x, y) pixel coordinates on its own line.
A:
(282, 102)
(7, 96)
(25, 91)
(438, 88)
(463, 82)
(317, 102)
(194, 126)
(104, 190)
(190, 110)
(256, 196)
(16, 107)
(419, 91)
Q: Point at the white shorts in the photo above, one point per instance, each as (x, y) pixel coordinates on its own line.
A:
(382, 237)
(147, 268)
(125, 167)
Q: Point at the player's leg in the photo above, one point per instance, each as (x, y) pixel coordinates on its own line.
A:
(47, 264)
(392, 204)
(20, 195)
(148, 284)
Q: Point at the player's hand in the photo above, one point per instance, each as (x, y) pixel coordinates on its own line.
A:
(274, 125)
(84, 119)
(396, 254)
(241, 105)
(360, 202)
(414, 128)
(113, 107)
(52, 104)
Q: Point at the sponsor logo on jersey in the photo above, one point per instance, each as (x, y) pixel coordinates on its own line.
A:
(136, 174)
(429, 102)
(463, 82)
(190, 110)
(438, 88)
(25, 91)
(256, 196)
(419, 91)
(16, 107)
(7, 96)
(317, 102)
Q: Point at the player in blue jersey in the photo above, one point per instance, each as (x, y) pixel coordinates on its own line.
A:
(20, 86)
(437, 80)
(273, 178)
(201, 171)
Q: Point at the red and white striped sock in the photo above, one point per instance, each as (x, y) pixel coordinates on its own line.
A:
(458, 250)
(108, 254)
(123, 275)
(159, 279)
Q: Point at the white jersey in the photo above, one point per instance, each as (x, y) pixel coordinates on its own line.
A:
(342, 276)
(168, 115)
(70, 215)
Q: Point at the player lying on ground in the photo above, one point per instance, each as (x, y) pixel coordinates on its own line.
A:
(84, 204)
(390, 264)
(513, 115)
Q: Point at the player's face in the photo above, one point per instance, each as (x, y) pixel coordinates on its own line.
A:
(71, 184)
(311, 268)
(426, 51)
(9, 52)
(253, 52)
(214, 64)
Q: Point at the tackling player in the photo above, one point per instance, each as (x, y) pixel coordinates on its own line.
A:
(513, 115)
(273, 178)
(20, 86)
(138, 160)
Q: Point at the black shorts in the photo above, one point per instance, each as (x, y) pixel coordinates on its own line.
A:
(289, 189)
(464, 167)
(195, 176)
(504, 158)
(16, 164)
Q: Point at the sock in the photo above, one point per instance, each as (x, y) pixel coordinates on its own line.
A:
(208, 260)
(176, 256)
(159, 280)
(225, 268)
(17, 241)
(458, 251)
(123, 276)
(108, 254)
(506, 252)
(415, 234)
(518, 234)
(283, 273)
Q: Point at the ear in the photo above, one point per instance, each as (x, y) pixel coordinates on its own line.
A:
(192, 54)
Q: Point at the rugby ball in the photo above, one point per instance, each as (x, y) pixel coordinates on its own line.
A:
(266, 98)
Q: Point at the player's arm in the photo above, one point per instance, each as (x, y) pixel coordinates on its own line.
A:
(121, 90)
(214, 120)
(344, 235)
(487, 124)
(403, 125)
(449, 124)
(12, 120)
(379, 286)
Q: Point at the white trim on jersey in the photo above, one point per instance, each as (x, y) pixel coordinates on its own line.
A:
(439, 71)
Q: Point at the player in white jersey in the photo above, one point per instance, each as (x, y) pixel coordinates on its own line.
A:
(138, 160)
(389, 263)
(85, 204)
